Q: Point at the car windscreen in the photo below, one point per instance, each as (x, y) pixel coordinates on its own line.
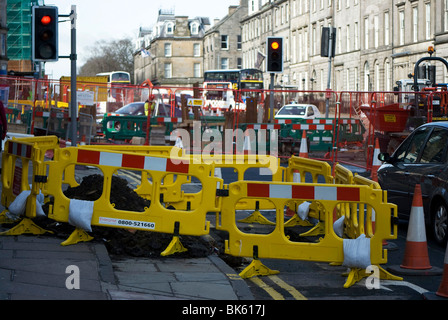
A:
(292, 110)
(132, 109)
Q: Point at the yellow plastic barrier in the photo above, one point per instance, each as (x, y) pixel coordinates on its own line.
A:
(165, 170)
(276, 245)
(19, 158)
(156, 218)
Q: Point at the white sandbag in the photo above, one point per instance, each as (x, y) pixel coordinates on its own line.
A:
(338, 226)
(304, 209)
(357, 252)
(39, 203)
(179, 143)
(17, 207)
(80, 214)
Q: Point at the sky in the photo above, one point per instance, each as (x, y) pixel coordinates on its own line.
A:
(118, 19)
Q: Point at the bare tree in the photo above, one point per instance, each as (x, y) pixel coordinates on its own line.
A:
(106, 56)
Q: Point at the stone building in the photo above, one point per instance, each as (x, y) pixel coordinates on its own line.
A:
(171, 54)
(223, 42)
(377, 43)
(3, 36)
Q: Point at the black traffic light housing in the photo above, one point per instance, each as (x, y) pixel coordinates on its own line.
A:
(44, 33)
(274, 61)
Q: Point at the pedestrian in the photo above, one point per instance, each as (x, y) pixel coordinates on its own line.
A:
(3, 124)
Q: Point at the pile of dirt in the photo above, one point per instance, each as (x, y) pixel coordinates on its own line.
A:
(124, 242)
(124, 198)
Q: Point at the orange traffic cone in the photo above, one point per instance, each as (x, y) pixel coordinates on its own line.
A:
(443, 288)
(246, 146)
(416, 252)
(376, 163)
(416, 258)
(442, 292)
(303, 146)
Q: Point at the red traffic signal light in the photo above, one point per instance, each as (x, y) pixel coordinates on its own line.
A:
(45, 33)
(274, 60)
(45, 20)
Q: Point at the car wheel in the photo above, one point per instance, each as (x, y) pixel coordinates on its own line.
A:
(439, 223)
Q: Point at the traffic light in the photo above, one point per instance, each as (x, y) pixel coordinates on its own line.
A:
(274, 62)
(45, 33)
(327, 36)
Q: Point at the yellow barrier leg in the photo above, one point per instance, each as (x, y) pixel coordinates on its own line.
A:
(256, 268)
(257, 217)
(5, 219)
(296, 221)
(175, 246)
(357, 275)
(318, 230)
(78, 235)
(26, 226)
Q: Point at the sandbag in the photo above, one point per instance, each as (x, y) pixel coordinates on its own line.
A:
(338, 226)
(357, 252)
(80, 214)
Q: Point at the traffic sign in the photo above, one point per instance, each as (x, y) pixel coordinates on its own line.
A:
(194, 102)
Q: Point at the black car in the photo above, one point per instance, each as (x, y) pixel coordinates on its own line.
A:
(420, 159)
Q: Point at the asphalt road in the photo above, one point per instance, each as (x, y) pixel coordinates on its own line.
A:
(305, 280)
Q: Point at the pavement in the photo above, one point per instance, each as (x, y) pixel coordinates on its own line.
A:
(40, 268)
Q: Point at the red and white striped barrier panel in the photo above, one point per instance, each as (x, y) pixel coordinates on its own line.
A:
(303, 192)
(132, 161)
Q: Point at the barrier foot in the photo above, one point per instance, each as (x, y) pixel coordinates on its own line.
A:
(257, 217)
(357, 274)
(256, 268)
(296, 221)
(175, 246)
(4, 219)
(318, 230)
(78, 235)
(26, 226)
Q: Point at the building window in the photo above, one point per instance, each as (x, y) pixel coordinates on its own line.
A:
(168, 52)
(386, 28)
(2, 44)
(197, 70)
(197, 49)
(356, 36)
(339, 40)
(225, 42)
(194, 28)
(415, 24)
(238, 42)
(224, 63)
(428, 21)
(168, 70)
(170, 28)
(376, 26)
(347, 38)
(239, 63)
(401, 25)
(446, 15)
(366, 33)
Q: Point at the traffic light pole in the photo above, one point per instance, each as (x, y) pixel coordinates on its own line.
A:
(330, 53)
(73, 91)
(271, 99)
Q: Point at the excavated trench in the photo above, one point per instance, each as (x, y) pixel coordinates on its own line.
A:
(124, 242)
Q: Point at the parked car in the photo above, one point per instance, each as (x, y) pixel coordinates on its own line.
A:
(420, 159)
(138, 109)
(298, 111)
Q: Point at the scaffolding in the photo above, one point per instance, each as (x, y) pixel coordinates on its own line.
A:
(19, 34)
